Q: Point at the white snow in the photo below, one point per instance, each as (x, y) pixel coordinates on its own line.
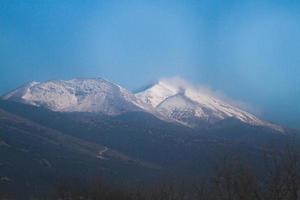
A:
(157, 93)
(78, 95)
(184, 103)
(167, 100)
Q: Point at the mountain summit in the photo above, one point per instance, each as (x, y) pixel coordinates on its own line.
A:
(168, 100)
(191, 106)
(78, 95)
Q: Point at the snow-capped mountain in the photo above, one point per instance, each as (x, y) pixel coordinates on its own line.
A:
(191, 106)
(168, 100)
(78, 95)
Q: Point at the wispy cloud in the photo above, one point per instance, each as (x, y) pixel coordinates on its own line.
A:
(180, 83)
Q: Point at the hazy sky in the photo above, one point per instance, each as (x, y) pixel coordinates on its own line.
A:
(248, 50)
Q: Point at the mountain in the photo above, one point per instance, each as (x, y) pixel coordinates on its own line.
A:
(192, 107)
(78, 95)
(148, 141)
(169, 101)
(85, 127)
(154, 143)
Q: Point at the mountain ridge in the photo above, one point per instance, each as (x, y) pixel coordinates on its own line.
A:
(193, 103)
(77, 95)
(172, 101)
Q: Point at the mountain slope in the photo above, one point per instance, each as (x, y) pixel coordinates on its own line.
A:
(35, 158)
(78, 95)
(190, 106)
(167, 100)
(144, 137)
(133, 146)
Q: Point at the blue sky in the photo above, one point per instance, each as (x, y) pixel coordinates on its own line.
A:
(248, 50)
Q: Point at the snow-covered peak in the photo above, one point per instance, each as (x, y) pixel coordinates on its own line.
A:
(157, 93)
(169, 100)
(78, 95)
(182, 102)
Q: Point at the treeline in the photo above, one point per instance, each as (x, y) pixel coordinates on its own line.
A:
(232, 180)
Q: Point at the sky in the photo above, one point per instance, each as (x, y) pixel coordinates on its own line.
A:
(246, 50)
